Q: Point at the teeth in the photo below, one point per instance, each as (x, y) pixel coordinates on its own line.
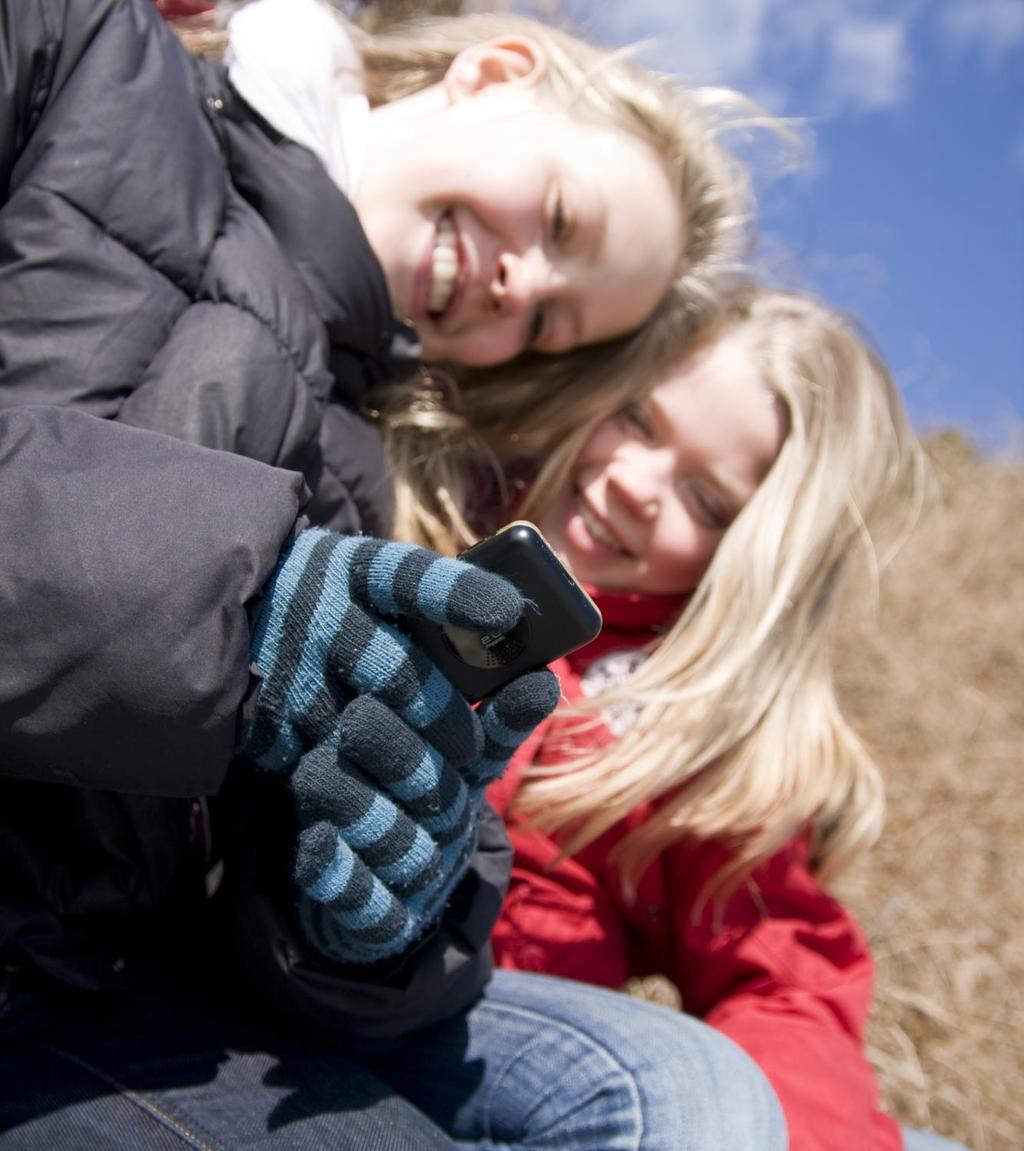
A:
(597, 529)
(444, 267)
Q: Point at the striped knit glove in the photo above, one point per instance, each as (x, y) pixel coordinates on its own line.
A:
(376, 860)
(321, 639)
(389, 820)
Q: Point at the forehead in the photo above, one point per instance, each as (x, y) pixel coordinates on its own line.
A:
(717, 398)
(572, 138)
(621, 163)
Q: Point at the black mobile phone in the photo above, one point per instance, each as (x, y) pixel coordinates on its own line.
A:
(558, 618)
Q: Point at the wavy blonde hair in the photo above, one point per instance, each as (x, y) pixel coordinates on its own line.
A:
(740, 736)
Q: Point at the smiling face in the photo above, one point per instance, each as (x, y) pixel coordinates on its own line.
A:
(504, 223)
(655, 488)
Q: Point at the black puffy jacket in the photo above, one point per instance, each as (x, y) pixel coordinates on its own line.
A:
(174, 278)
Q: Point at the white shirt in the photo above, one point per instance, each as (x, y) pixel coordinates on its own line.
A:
(294, 62)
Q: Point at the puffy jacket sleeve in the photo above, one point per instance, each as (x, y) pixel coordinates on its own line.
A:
(42, 45)
(129, 564)
(28, 44)
(784, 971)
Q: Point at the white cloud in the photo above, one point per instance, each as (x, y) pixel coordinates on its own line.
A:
(702, 41)
(793, 55)
(715, 41)
(992, 29)
(869, 66)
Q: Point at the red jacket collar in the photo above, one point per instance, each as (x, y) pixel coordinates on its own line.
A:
(631, 619)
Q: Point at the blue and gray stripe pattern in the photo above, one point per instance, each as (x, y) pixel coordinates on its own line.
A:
(386, 761)
(322, 638)
(377, 869)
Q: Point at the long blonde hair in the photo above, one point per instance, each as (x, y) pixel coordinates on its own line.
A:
(740, 736)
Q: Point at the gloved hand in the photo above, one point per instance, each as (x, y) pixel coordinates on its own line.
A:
(389, 820)
(321, 639)
(386, 804)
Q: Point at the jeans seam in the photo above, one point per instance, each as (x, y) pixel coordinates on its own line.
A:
(498, 1005)
(492, 1145)
(133, 1097)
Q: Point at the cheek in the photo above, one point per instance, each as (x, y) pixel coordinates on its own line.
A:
(508, 200)
(484, 344)
(487, 345)
(552, 520)
(684, 555)
(601, 446)
(704, 553)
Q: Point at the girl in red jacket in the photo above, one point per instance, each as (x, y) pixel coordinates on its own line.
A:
(682, 812)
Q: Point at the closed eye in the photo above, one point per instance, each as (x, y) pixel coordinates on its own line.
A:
(637, 422)
(709, 510)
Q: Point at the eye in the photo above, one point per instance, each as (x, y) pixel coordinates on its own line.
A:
(635, 419)
(559, 224)
(708, 510)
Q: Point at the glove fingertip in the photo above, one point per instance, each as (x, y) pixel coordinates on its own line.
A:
(526, 700)
(483, 600)
(509, 717)
(317, 850)
(366, 722)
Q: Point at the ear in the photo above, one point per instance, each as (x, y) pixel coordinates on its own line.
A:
(516, 59)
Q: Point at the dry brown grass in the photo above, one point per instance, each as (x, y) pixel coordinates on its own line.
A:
(936, 691)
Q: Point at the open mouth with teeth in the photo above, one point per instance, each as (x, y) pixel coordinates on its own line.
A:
(597, 529)
(444, 267)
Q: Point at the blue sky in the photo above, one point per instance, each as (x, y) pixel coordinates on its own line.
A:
(909, 209)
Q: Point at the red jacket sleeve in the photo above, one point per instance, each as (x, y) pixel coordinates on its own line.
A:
(557, 917)
(784, 971)
(560, 921)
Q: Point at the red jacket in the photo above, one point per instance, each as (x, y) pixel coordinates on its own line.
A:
(783, 969)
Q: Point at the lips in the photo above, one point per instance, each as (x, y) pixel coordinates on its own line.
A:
(444, 268)
(597, 528)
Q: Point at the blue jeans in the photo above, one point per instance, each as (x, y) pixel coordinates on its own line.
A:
(537, 1064)
(551, 1065)
(135, 1076)
(555, 1066)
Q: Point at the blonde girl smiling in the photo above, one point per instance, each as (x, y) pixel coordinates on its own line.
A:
(683, 810)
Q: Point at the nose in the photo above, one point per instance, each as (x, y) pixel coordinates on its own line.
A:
(634, 481)
(519, 281)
